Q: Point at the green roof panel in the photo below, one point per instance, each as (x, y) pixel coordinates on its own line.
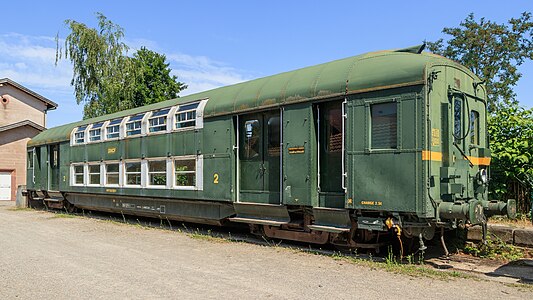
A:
(376, 70)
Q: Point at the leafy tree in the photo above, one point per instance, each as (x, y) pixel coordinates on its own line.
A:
(155, 83)
(492, 51)
(105, 78)
(511, 131)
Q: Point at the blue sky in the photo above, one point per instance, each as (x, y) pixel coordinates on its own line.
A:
(216, 43)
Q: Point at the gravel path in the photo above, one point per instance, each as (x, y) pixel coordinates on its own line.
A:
(46, 257)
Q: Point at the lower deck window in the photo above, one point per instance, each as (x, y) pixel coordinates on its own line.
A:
(185, 172)
(94, 174)
(133, 173)
(112, 174)
(78, 174)
(157, 172)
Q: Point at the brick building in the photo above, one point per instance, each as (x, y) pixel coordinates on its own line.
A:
(22, 116)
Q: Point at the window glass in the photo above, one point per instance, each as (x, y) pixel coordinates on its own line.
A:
(79, 136)
(474, 127)
(251, 142)
(95, 135)
(133, 128)
(94, 174)
(113, 129)
(157, 172)
(457, 117)
(133, 173)
(274, 136)
(113, 132)
(78, 174)
(158, 124)
(185, 172)
(334, 129)
(186, 115)
(112, 174)
(384, 126)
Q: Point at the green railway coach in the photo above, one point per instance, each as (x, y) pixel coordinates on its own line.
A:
(349, 152)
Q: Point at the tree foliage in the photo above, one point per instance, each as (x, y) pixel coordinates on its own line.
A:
(155, 83)
(492, 51)
(105, 78)
(511, 132)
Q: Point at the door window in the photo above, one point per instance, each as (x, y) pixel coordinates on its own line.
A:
(274, 136)
(252, 134)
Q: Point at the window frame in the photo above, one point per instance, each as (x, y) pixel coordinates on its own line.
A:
(368, 105)
(74, 174)
(88, 165)
(164, 128)
(91, 129)
(125, 173)
(148, 173)
(474, 127)
(106, 173)
(74, 136)
(198, 172)
(187, 120)
(108, 124)
(135, 121)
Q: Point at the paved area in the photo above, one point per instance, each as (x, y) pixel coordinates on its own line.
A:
(520, 236)
(43, 256)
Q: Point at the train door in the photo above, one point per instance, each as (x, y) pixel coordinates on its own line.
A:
(259, 157)
(330, 178)
(299, 155)
(53, 167)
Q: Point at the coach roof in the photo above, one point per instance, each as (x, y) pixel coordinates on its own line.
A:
(366, 72)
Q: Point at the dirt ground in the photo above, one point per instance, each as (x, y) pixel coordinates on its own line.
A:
(43, 256)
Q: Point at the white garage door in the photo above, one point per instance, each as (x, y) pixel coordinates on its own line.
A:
(5, 186)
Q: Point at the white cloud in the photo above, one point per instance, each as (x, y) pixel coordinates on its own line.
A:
(30, 61)
(201, 73)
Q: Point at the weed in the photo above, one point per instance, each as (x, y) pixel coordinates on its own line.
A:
(63, 216)
(494, 249)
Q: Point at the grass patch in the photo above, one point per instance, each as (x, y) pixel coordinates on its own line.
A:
(410, 266)
(63, 216)
(20, 209)
(207, 236)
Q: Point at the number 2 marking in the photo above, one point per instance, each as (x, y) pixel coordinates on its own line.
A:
(215, 178)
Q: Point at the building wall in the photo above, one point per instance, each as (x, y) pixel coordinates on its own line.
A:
(21, 107)
(13, 154)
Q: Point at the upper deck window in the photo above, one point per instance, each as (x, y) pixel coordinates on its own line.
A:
(186, 115)
(113, 129)
(95, 133)
(79, 136)
(384, 126)
(158, 121)
(133, 126)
